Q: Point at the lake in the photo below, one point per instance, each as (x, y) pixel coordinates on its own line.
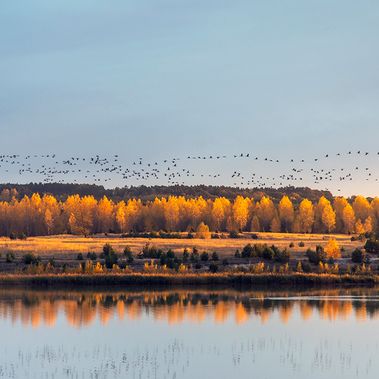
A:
(189, 333)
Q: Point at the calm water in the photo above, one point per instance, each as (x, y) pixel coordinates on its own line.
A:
(189, 334)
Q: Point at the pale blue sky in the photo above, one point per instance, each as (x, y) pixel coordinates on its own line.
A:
(166, 77)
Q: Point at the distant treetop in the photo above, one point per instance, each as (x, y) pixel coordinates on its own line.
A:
(145, 193)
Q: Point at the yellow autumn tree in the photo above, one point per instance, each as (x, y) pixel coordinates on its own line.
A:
(171, 212)
(5, 218)
(296, 225)
(81, 214)
(275, 224)
(133, 213)
(104, 215)
(49, 221)
(155, 219)
(368, 225)
(359, 229)
(52, 209)
(361, 208)
(332, 249)
(306, 216)
(339, 205)
(87, 214)
(348, 218)
(194, 211)
(219, 212)
(375, 211)
(36, 215)
(120, 215)
(286, 213)
(266, 211)
(328, 217)
(322, 203)
(23, 216)
(240, 212)
(73, 224)
(255, 224)
(202, 231)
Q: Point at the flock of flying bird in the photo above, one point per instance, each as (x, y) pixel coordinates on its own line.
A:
(48, 168)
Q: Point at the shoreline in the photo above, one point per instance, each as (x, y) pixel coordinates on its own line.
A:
(189, 280)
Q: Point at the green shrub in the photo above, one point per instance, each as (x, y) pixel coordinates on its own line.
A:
(213, 267)
(151, 252)
(110, 256)
(306, 267)
(186, 255)
(247, 251)
(92, 256)
(129, 255)
(108, 249)
(282, 256)
(22, 236)
(358, 256)
(110, 260)
(127, 251)
(204, 256)
(268, 253)
(170, 254)
(10, 257)
(214, 257)
(194, 257)
(52, 262)
(258, 250)
(29, 259)
(233, 234)
(170, 260)
(79, 257)
(372, 246)
(317, 256)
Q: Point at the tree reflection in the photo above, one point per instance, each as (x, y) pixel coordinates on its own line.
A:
(81, 309)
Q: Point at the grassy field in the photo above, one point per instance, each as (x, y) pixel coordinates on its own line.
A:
(68, 246)
(63, 250)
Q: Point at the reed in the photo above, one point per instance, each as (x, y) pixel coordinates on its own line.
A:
(188, 279)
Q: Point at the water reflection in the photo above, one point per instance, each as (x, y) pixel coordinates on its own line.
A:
(81, 309)
(180, 333)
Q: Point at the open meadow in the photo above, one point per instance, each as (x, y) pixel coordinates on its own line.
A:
(67, 247)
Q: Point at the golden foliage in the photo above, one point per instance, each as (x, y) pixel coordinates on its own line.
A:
(36, 215)
(306, 216)
(348, 218)
(332, 249)
(202, 231)
(286, 213)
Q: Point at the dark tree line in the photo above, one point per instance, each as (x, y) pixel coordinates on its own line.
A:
(147, 193)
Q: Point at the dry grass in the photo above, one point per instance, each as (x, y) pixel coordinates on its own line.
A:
(68, 245)
(175, 279)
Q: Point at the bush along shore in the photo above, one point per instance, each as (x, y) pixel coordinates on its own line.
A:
(190, 279)
(255, 264)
